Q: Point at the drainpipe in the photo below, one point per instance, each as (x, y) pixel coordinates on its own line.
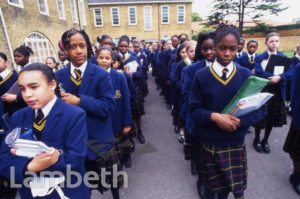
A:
(158, 22)
(78, 14)
(7, 38)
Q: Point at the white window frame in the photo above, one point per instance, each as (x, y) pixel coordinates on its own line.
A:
(112, 20)
(162, 14)
(165, 37)
(46, 7)
(180, 22)
(73, 12)
(101, 16)
(20, 4)
(135, 15)
(63, 10)
(145, 22)
(116, 39)
(41, 46)
(82, 12)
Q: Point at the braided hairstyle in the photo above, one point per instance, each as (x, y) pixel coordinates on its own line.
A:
(224, 30)
(201, 38)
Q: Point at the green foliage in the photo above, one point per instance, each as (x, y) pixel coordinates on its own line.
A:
(204, 29)
(288, 27)
(196, 17)
(261, 27)
(289, 53)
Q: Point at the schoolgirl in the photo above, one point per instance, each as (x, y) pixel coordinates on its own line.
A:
(121, 117)
(51, 62)
(137, 77)
(247, 60)
(63, 59)
(225, 161)
(292, 142)
(276, 108)
(59, 125)
(21, 56)
(204, 57)
(89, 86)
(11, 101)
(105, 40)
(240, 51)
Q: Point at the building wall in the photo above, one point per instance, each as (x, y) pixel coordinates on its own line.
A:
(22, 21)
(158, 29)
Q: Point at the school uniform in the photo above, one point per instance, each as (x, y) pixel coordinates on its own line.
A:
(164, 74)
(295, 60)
(276, 108)
(144, 65)
(64, 128)
(247, 61)
(8, 79)
(238, 55)
(224, 152)
(96, 94)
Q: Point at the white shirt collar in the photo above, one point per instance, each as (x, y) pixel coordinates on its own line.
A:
(126, 55)
(4, 73)
(47, 108)
(239, 54)
(218, 68)
(81, 68)
(249, 56)
(208, 63)
(108, 70)
(297, 56)
(271, 53)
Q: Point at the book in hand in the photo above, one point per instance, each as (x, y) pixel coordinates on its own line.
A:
(277, 64)
(253, 85)
(251, 103)
(25, 144)
(132, 66)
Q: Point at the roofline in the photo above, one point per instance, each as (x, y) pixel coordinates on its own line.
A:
(140, 2)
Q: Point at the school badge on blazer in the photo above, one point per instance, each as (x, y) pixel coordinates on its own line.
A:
(117, 94)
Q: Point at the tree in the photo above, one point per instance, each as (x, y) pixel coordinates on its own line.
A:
(241, 8)
(196, 17)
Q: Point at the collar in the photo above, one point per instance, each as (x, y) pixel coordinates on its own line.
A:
(218, 68)
(108, 70)
(47, 108)
(188, 61)
(81, 68)
(239, 54)
(208, 63)
(297, 56)
(5, 73)
(271, 53)
(249, 56)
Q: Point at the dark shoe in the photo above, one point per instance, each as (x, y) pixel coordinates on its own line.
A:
(127, 161)
(177, 129)
(141, 137)
(169, 106)
(295, 183)
(265, 147)
(193, 169)
(257, 146)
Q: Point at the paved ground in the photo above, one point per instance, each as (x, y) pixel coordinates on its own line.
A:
(164, 174)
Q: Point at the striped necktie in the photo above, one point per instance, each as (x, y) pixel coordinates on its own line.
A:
(78, 74)
(224, 72)
(39, 124)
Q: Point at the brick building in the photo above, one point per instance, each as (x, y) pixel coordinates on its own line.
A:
(40, 23)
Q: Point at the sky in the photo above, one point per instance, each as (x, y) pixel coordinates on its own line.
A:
(202, 7)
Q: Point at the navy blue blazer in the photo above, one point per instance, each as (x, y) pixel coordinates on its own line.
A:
(295, 102)
(236, 57)
(97, 100)
(244, 61)
(261, 73)
(163, 61)
(66, 131)
(121, 117)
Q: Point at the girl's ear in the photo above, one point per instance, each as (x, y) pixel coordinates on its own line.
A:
(52, 85)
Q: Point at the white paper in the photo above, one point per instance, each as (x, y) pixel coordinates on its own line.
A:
(278, 70)
(264, 64)
(132, 66)
(29, 148)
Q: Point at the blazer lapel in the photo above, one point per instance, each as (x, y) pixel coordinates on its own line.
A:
(66, 80)
(86, 79)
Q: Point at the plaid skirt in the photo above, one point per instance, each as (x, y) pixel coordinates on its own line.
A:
(225, 168)
(276, 116)
(107, 164)
(187, 147)
(124, 145)
(137, 106)
(292, 144)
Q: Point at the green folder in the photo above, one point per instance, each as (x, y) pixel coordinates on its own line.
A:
(253, 85)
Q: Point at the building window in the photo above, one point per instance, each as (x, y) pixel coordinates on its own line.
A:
(82, 12)
(41, 46)
(115, 17)
(73, 11)
(116, 40)
(98, 17)
(165, 37)
(61, 9)
(43, 7)
(132, 18)
(147, 18)
(181, 14)
(165, 14)
(17, 3)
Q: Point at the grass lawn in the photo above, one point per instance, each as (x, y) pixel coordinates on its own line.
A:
(289, 53)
